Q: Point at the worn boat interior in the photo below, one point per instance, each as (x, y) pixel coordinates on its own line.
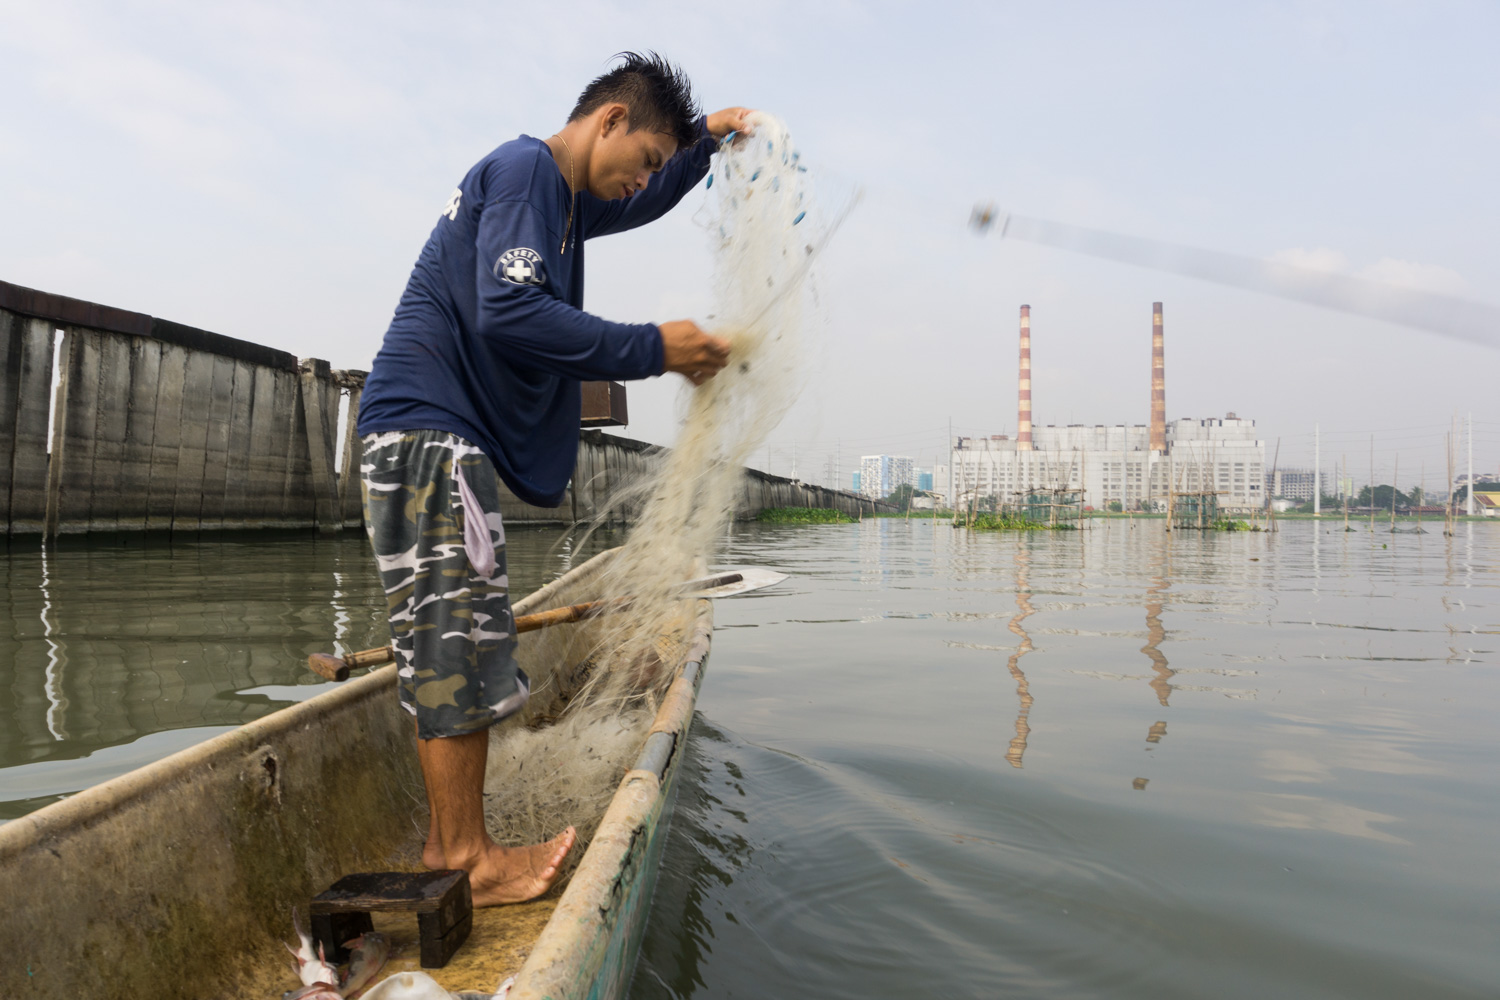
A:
(179, 879)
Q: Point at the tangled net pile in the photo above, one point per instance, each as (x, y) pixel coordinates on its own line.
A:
(596, 685)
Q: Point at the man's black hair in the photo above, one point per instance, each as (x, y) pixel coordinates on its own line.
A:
(657, 94)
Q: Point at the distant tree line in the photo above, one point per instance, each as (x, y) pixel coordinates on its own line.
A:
(1381, 496)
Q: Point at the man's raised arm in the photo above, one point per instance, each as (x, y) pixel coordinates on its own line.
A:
(669, 185)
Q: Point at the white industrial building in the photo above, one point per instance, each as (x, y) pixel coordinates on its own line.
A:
(1112, 464)
(1133, 465)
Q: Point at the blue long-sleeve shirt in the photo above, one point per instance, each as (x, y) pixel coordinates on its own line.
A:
(490, 339)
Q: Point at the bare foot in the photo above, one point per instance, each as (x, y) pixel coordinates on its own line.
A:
(516, 874)
(432, 851)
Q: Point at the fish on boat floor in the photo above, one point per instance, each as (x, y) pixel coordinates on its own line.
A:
(498, 945)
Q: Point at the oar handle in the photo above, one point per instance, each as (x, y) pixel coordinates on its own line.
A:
(337, 668)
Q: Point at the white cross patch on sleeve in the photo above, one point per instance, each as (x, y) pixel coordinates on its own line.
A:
(521, 266)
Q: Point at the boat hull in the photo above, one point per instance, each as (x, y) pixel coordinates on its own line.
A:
(589, 947)
(178, 879)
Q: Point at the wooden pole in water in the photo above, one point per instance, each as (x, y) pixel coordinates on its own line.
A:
(1343, 477)
(1372, 483)
(1270, 507)
(1448, 507)
(1422, 489)
(1395, 475)
(1171, 499)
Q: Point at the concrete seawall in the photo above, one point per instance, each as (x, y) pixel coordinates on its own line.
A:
(607, 463)
(156, 426)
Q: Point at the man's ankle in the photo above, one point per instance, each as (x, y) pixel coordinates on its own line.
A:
(467, 857)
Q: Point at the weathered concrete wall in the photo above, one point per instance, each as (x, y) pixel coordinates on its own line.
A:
(25, 388)
(158, 426)
(615, 467)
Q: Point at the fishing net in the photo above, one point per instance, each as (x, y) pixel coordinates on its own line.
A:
(597, 684)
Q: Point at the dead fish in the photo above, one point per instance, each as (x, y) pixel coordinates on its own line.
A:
(313, 991)
(368, 954)
(408, 986)
(421, 986)
(312, 966)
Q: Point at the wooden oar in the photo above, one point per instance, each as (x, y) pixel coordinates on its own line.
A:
(336, 668)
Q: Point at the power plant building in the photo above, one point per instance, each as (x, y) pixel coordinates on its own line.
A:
(1133, 465)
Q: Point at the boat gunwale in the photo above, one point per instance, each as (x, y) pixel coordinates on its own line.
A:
(561, 956)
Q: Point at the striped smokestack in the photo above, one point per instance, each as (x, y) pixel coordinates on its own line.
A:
(1158, 383)
(1023, 394)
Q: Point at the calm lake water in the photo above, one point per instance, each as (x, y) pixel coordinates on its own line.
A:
(1109, 763)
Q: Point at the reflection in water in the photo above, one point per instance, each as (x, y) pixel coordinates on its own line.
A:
(1155, 633)
(825, 841)
(1023, 610)
(106, 641)
(57, 703)
(690, 880)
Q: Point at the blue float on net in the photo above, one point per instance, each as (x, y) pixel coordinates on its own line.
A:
(799, 218)
(710, 181)
(775, 183)
(755, 175)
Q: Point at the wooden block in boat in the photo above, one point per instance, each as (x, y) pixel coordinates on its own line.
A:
(414, 892)
(438, 943)
(442, 901)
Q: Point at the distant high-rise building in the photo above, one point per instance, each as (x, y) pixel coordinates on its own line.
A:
(880, 475)
(856, 482)
(924, 479)
(1297, 484)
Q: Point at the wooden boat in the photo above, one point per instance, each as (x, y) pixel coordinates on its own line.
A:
(178, 879)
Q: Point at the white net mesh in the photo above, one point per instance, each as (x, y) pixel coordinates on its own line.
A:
(596, 685)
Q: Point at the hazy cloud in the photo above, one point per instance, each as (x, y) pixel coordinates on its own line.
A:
(1387, 270)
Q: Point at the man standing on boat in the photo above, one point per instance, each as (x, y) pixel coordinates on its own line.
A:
(477, 382)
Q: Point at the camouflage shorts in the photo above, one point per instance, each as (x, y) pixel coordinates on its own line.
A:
(432, 504)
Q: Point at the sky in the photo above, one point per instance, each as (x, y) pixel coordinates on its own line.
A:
(270, 171)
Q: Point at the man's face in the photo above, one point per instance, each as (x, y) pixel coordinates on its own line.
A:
(624, 161)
